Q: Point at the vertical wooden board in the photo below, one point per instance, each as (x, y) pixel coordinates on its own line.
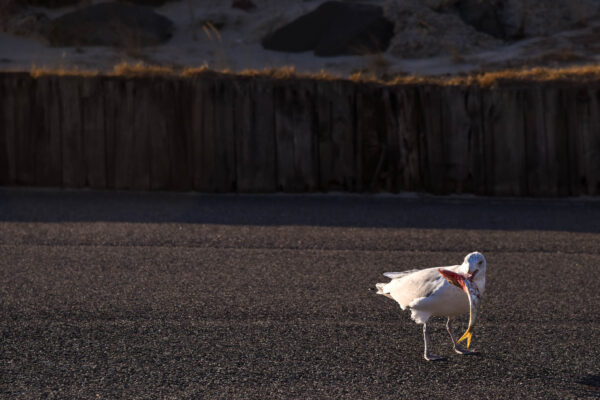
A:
(592, 155)
(224, 136)
(394, 156)
(575, 164)
(504, 122)
(491, 117)
(343, 134)
(305, 138)
(335, 133)
(369, 121)
(47, 131)
(456, 126)
(401, 165)
(509, 146)
(144, 105)
(74, 169)
(285, 124)
(93, 132)
(432, 143)
(124, 146)
(7, 131)
(557, 134)
(112, 89)
(26, 115)
(583, 130)
(197, 133)
(160, 102)
(216, 136)
(179, 113)
(297, 164)
(213, 136)
(180, 133)
(208, 155)
(477, 169)
(409, 138)
(536, 141)
(255, 136)
(324, 110)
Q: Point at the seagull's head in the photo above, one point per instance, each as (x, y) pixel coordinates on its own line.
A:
(475, 263)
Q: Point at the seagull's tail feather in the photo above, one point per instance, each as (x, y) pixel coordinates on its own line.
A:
(381, 289)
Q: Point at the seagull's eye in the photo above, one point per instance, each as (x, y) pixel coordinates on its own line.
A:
(480, 262)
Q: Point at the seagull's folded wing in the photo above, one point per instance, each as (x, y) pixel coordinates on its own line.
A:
(396, 275)
(413, 286)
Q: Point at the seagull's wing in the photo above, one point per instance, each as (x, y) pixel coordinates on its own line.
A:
(414, 286)
(396, 275)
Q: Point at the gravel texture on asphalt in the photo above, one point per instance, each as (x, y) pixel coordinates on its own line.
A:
(161, 295)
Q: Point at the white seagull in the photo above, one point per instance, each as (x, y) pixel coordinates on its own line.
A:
(426, 292)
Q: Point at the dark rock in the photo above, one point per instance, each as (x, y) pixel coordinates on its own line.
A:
(26, 23)
(483, 15)
(245, 5)
(151, 3)
(51, 3)
(110, 24)
(334, 29)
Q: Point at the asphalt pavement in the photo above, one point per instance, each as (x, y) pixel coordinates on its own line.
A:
(181, 295)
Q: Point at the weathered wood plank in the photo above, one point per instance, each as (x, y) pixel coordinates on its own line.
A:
(26, 117)
(255, 136)
(179, 117)
(370, 127)
(143, 127)
(477, 170)
(197, 133)
(111, 104)
(576, 165)
(432, 139)
(393, 162)
(456, 150)
(504, 124)
(410, 132)
(224, 136)
(124, 146)
(336, 135)
(158, 134)
(74, 165)
(295, 136)
(214, 136)
(7, 131)
(591, 137)
(207, 135)
(537, 142)
(46, 140)
(93, 132)
(557, 132)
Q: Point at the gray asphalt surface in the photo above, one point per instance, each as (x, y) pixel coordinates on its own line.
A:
(131, 295)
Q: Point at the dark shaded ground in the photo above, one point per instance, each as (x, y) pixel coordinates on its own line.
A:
(121, 295)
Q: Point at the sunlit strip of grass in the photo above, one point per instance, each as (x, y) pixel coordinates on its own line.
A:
(586, 73)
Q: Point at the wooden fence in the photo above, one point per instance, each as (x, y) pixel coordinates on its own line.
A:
(218, 133)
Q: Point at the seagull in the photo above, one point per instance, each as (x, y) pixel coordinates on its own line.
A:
(427, 292)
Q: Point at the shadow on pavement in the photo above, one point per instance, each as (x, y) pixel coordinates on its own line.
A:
(347, 210)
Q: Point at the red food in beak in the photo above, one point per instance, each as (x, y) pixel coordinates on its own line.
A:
(457, 280)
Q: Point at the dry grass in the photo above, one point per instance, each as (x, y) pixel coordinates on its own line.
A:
(587, 73)
(140, 70)
(538, 74)
(39, 71)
